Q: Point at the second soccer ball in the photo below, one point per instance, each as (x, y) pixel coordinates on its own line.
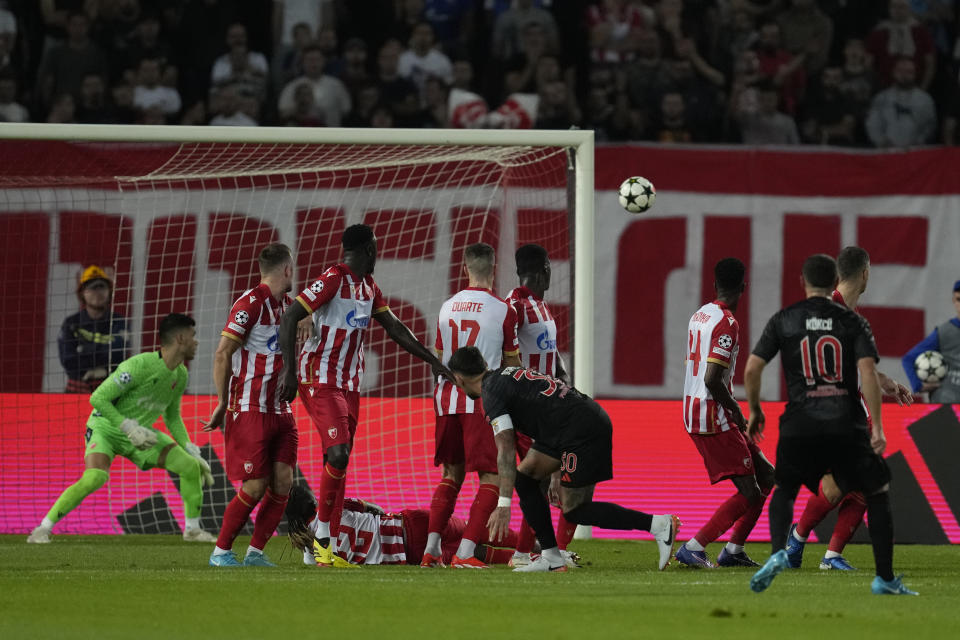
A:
(637, 194)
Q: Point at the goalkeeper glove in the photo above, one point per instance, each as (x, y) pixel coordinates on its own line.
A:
(194, 451)
(140, 437)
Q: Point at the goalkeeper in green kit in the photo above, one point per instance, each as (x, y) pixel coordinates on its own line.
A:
(125, 406)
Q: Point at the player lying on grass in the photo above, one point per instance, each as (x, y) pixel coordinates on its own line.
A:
(368, 535)
(571, 433)
(125, 407)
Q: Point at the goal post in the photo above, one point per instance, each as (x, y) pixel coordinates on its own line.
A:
(179, 213)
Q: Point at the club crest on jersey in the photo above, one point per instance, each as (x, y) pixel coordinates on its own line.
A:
(725, 341)
(317, 286)
(241, 317)
(747, 462)
(332, 432)
(248, 467)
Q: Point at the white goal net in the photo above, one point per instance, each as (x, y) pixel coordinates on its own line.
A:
(178, 224)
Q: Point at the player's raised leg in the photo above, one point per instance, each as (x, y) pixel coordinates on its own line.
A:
(94, 476)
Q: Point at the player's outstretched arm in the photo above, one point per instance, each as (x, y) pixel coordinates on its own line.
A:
(713, 380)
(402, 335)
(752, 375)
(221, 379)
(287, 387)
(498, 524)
(893, 388)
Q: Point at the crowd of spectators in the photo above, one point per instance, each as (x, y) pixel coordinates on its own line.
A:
(880, 73)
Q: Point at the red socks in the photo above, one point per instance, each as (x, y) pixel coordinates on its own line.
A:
(271, 511)
(724, 517)
(565, 531)
(330, 483)
(849, 517)
(483, 505)
(525, 538)
(747, 521)
(442, 505)
(813, 514)
(234, 517)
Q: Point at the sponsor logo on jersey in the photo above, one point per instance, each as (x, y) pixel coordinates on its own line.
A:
(725, 341)
(819, 324)
(253, 299)
(544, 343)
(149, 404)
(241, 317)
(354, 321)
(273, 344)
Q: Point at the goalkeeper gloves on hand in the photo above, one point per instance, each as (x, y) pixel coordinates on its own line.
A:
(194, 451)
(140, 437)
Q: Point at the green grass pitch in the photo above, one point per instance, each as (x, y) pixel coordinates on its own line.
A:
(144, 587)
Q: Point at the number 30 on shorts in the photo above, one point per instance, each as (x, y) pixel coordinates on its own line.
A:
(568, 462)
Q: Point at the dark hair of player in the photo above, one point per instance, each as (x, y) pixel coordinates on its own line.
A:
(312, 47)
(531, 258)
(820, 271)
(301, 508)
(728, 274)
(480, 258)
(171, 325)
(357, 236)
(852, 261)
(467, 361)
(273, 256)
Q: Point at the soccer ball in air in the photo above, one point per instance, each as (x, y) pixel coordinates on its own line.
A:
(637, 194)
(930, 366)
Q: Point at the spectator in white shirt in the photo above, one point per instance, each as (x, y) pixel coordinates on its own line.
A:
(421, 60)
(903, 115)
(330, 96)
(232, 108)
(239, 65)
(150, 94)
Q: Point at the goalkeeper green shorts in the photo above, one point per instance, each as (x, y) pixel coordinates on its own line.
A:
(103, 437)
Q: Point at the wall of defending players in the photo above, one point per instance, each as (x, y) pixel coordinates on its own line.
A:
(648, 443)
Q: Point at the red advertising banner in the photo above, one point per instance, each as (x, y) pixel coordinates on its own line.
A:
(656, 467)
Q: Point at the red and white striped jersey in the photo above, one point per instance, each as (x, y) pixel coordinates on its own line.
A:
(536, 331)
(473, 317)
(713, 335)
(368, 538)
(342, 305)
(254, 322)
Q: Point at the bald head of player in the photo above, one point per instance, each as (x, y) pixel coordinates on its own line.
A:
(359, 249)
(533, 268)
(728, 280)
(276, 268)
(819, 275)
(480, 263)
(468, 367)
